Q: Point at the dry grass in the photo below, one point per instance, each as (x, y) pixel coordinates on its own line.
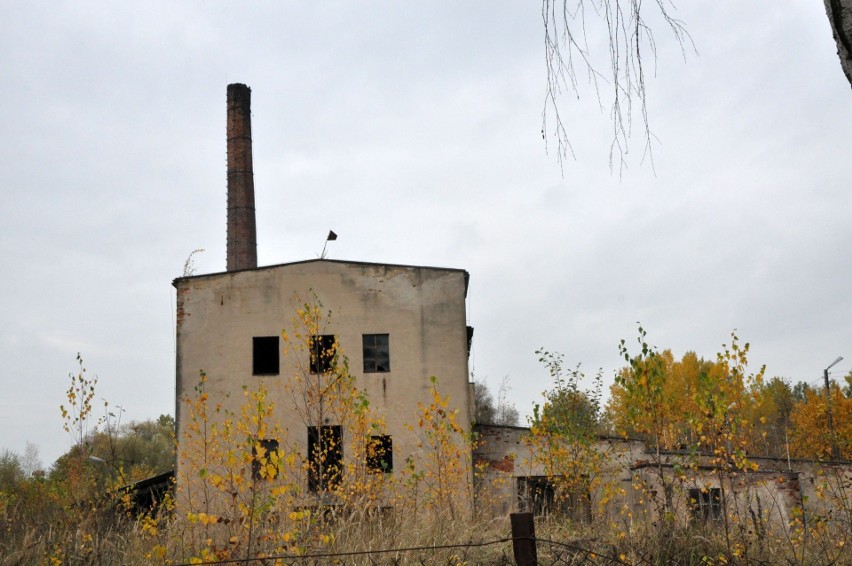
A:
(109, 537)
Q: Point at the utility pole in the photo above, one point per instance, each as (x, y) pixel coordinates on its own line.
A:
(834, 455)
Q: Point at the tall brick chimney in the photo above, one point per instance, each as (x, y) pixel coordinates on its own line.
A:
(242, 232)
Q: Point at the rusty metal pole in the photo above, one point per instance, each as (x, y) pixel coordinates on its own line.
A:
(523, 539)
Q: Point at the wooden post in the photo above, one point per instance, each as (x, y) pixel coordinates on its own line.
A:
(523, 539)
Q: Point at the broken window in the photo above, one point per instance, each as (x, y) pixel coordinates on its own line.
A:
(542, 496)
(264, 459)
(537, 495)
(265, 355)
(705, 504)
(376, 353)
(325, 457)
(380, 454)
(322, 353)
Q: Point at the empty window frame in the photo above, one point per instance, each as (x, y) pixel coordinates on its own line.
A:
(536, 494)
(543, 496)
(376, 353)
(380, 454)
(705, 504)
(325, 457)
(264, 459)
(265, 355)
(322, 353)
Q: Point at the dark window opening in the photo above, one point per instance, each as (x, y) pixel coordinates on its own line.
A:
(265, 355)
(322, 353)
(705, 504)
(376, 353)
(264, 459)
(543, 496)
(536, 494)
(380, 454)
(469, 339)
(325, 457)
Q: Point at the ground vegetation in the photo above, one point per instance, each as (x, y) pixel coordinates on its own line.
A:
(250, 500)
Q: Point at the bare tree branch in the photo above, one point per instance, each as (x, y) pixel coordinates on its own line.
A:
(567, 52)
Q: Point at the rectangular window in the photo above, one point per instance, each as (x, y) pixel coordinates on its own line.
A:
(376, 353)
(322, 353)
(265, 355)
(325, 457)
(537, 495)
(380, 454)
(705, 504)
(544, 496)
(264, 459)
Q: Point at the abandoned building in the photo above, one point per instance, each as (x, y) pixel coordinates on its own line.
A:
(630, 484)
(400, 325)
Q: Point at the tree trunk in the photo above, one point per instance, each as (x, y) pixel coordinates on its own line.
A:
(840, 16)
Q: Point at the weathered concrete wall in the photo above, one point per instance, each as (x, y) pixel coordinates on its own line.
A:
(504, 454)
(421, 309)
(499, 454)
(822, 489)
(774, 492)
(762, 499)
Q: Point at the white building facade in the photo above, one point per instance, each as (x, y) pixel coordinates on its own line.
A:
(397, 327)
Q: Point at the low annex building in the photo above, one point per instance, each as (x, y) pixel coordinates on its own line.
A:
(634, 483)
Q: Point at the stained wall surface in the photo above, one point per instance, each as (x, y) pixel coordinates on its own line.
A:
(631, 477)
(421, 309)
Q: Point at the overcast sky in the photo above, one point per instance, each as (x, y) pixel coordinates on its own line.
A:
(413, 130)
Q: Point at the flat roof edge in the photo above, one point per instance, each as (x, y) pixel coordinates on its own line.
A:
(176, 280)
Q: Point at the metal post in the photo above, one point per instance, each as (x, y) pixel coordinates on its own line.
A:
(830, 420)
(523, 539)
(834, 455)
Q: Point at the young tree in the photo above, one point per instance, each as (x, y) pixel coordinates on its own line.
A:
(441, 477)
(31, 461)
(641, 387)
(692, 402)
(80, 422)
(810, 436)
(659, 409)
(563, 435)
(771, 418)
(11, 473)
(483, 400)
(507, 413)
(127, 452)
(486, 412)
